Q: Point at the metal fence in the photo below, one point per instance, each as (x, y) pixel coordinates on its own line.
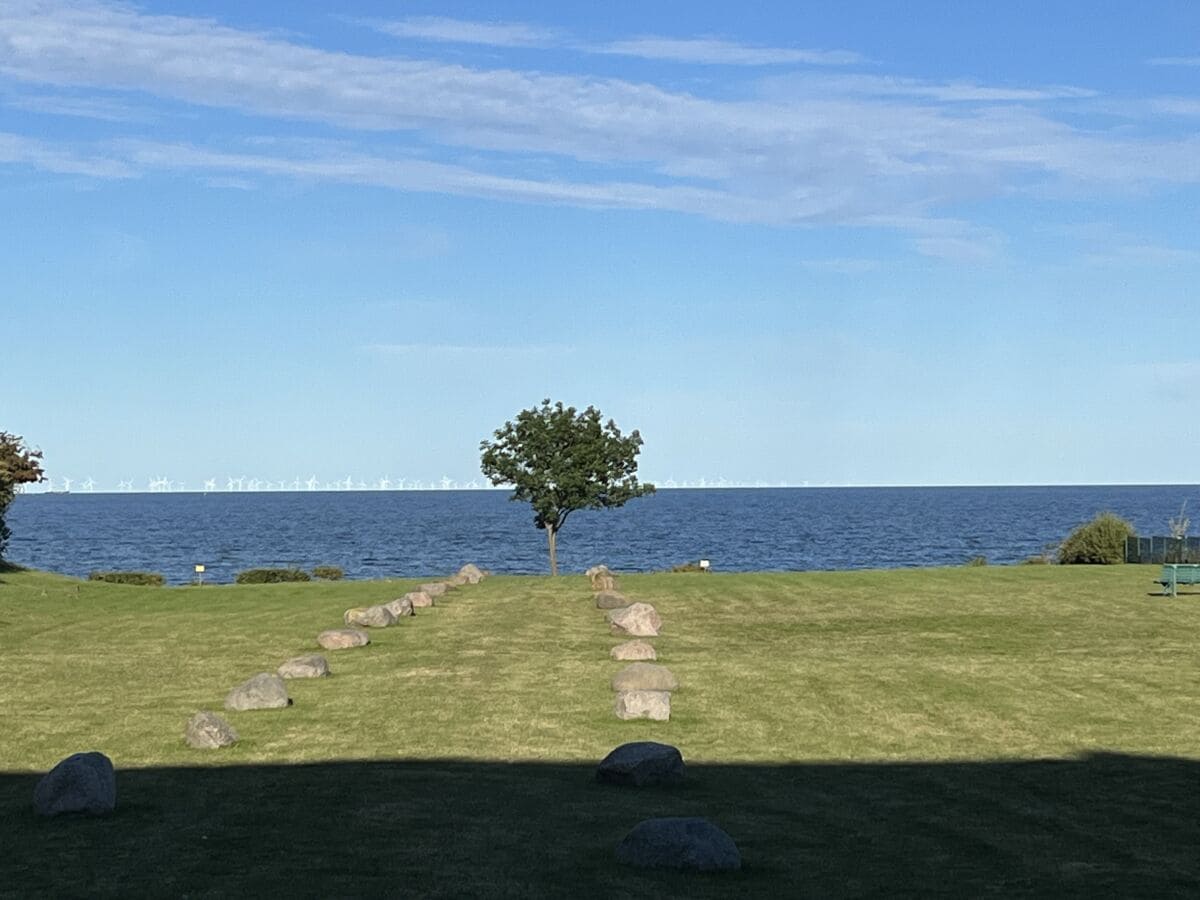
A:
(1162, 550)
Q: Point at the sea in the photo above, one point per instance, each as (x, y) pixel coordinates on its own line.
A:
(402, 534)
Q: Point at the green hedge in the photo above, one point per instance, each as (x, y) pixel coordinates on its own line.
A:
(148, 579)
(271, 576)
(1100, 541)
(328, 573)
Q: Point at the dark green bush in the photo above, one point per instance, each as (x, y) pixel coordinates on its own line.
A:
(1100, 541)
(328, 573)
(271, 576)
(147, 579)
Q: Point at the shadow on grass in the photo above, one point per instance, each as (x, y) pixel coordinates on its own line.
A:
(1100, 825)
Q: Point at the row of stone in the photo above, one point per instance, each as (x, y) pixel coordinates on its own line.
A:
(643, 689)
(87, 783)
(209, 731)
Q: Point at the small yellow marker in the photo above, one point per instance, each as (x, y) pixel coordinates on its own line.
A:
(199, 574)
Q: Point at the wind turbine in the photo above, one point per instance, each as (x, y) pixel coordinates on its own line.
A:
(210, 485)
(348, 484)
(446, 482)
(66, 484)
(384, 484)
(312, 483)
(125, 485)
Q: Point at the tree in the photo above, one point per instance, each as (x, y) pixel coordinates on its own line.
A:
(560, 460)
(18, 465)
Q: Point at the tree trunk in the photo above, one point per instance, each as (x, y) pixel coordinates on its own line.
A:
(552, 535)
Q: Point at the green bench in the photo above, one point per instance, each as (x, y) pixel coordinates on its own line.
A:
(1175, 574)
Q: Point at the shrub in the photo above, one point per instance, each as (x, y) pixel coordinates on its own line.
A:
(693, 566)
(271, 576)
(1100, 541)
(976, 561)
(329, 573)
(146, 579)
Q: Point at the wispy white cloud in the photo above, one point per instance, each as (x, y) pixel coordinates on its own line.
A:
(464, 31)
(716, 51)
(103, 109)
(521, 350)
(810, 148)
(16, 149)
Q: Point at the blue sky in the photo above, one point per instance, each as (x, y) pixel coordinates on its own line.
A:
(836, 243)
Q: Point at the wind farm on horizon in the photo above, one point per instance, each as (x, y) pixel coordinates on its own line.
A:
(161, 484)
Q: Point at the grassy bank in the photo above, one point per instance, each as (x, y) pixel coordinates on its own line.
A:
(854, 732)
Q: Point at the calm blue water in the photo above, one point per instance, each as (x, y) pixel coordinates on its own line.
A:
(415, 533)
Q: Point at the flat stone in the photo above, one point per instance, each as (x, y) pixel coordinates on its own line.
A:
(611, 600)
(636, 620)
(633, 650)
(644, 676)
(208, 731)
(343, 638)
(641, 764)
(263, 691)
(81, 783)
(679, 843)
(371, 616)
(400, 607)
(419, 599)
(456, 581)
(434, 589)
(653, 705)
(312, 665)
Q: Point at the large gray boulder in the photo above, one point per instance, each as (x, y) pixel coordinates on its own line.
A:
(636, 620)
(434, 589)
(611, 600)
(371, 616)
(644, 676)
(633, 650)
(653, 705)
(640, 764)
(208, 731)
(400, 607)
(472, 573)
(343, 638)
(264, 691)
(679, 843)
(81, 783)
(419, 599)
(312, 665)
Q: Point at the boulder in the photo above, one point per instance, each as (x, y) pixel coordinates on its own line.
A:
(653, 705)
(434, 589)
(456, 581)
(263, 691)
(637, 620)
(400, 607)
(679, 843)
(641, 763)
(611, 600)
(343, 638)
(633, 650)
(419, 599)
(311, 666)
(370, 616)
(596, 570)
(208, 731)
(604, 582)
(644, 676)
(82, 783)
(472, 573)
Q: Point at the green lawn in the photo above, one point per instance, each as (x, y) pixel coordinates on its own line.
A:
(1024, 730)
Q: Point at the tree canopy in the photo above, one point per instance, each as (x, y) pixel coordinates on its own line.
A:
(559, 460)
(18, 465)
